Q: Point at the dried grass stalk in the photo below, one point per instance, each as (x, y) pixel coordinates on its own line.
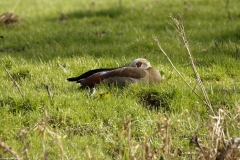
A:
(14, 82)
(218, 145)
(7, 149)
(45, 131)
(180, 28)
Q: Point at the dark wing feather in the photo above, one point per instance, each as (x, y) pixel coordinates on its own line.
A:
(89, 73)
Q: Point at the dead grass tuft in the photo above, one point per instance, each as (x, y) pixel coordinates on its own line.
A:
(145, 148)
(217, 143)
(63, 17)
(46, 133)
(9, 18)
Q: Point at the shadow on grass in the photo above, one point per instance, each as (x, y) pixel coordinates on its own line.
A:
(68, 44)
(67, 35)
(232, 35)
(110, 12)
(155, 100)
(94, 32)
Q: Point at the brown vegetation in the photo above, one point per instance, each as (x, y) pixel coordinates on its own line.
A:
(9, 18)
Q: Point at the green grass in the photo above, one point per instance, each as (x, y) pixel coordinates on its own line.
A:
(41, 50)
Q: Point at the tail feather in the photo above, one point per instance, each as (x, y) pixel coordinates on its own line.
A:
(73, 79)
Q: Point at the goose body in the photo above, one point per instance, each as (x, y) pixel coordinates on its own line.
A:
(139, 71)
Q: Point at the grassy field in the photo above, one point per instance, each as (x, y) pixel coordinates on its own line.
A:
(44, 116)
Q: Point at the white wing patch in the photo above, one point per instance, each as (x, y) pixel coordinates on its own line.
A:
(102, 73)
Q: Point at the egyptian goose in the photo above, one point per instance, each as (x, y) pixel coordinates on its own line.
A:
(139, 71)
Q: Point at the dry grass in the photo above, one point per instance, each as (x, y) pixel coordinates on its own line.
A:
(145, 149)
(218, 144)
(45, 132)
(7, 149)
(215, 144)
(9, 18)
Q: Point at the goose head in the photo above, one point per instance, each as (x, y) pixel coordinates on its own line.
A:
(141, 63)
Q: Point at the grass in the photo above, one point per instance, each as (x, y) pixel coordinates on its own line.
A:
(60, 121)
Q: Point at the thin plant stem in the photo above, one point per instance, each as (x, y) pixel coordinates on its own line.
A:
(9, 149)
(180, 29)
(165, 54)
(14, 82)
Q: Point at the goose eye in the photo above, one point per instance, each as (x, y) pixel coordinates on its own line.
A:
(139, 64)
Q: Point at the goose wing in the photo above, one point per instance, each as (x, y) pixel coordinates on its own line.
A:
(119, 76)
(89, 73)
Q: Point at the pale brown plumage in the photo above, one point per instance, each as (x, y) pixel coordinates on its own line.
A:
(139, 71)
